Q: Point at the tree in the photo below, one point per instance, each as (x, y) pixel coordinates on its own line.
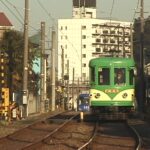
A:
(146, 54)
(136, 40)
(13, 45)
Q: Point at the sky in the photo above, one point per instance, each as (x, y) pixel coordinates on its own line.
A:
(52, 10)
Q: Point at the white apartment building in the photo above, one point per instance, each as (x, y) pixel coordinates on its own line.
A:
(84, 37)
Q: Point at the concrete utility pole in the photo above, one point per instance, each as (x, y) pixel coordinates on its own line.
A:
(25, 62)
(62, 76)
(131, 32)
(68, 82)
(142, 81)
(73, 90)
(53, 68)
(42, 91)
(81, 54)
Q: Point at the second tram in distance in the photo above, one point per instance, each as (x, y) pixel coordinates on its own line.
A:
(112, 85)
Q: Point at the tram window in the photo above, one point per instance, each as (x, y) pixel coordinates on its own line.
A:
(92, 74)
(104, 76)
(131, 77)
(119, 76)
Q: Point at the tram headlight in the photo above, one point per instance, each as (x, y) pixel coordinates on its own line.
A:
(97, 95)
(124, 95)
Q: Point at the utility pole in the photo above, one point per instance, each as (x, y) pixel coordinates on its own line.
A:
(131, 33)
(68, 82)
(25, 62)
(42, 91)
(78, 92)
(142, 85)
(62, 66)
(123, 46)
(81, 55)
(73, 90)
(53, 68)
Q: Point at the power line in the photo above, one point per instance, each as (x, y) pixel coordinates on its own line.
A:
(20, 20)
(53, 19)
(15, 8)
(50, 16)
(138, 1)
(112, 7)
(12, 12)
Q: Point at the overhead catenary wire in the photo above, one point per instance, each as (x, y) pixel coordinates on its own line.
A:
(53, 20)
(138, 2)
(49, 14)
(20, 18)
(21, 22)
(15, 8)
(111, 10)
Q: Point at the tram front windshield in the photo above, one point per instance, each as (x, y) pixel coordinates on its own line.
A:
(119, 76)
(104, 76)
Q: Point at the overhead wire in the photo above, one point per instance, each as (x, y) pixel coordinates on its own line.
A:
(12, 12)
(14, 8)
(138, 2)
(21, 17)
(42, 6)
(53, 21)
(111, 10)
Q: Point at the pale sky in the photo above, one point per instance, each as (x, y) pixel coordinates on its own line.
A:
(43, 10)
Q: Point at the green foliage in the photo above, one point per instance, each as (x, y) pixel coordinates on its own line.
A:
(13, 45)
(146, 40)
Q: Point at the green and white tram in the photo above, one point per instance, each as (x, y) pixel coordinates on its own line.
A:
(112, 85)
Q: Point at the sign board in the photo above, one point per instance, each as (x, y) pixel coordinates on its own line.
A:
(24, 99)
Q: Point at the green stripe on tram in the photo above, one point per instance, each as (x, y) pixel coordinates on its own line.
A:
(111, 103)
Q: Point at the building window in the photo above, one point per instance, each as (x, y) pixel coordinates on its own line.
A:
(105, 49)
(84, 65)
(84, 46)
(119, 32)
(66, 37)
(66, 56)
(112, 32)
(105, 40)
(83, 27)
(83, 36)
(66, 27)
(98, 40)
(105, 31)
(112, 41)
(127, 33)
(61, 28)
(84, 55)
(98, 50)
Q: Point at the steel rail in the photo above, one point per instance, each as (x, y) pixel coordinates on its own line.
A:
(91, 139)
(51, 133)
(139, 144)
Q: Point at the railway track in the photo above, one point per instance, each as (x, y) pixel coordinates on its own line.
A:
(36, 132)
(69, 136)
(66, 132)
(143, 130)
(113, 135)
